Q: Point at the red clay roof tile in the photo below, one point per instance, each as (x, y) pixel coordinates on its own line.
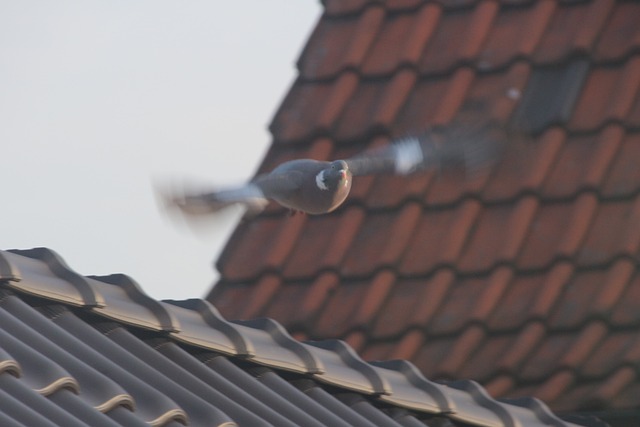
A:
(317, 249)
(543, 360)
(528, 339)
(411, 302)
(515, 33)
(341, 91)
(613, 233)
(570, 310)
(615, 385)
(608, 95)
(400, 40)
(514, 308)
(451, 102)
(378, 351)
(633, 119)
(360, 110)
(394, 98)
(625, 312)
(439, 238)
(357, 340)
(470, 27)
(345, 234)
(568, 31)
(339, 308)
(339, 7)
(621, 33)
(498, 235)
(336, 7)
(370, 241)
(291, 295)
(244, 259)
(524, 166)
(282, 244)
(438, 286)
(337, 55)
(554, 387)
(426, 20)
(624, 175)
(318, 293)
(401, 231)
(582, 163)
(609, 353)
(297, 116)
(263, 293)
(380, 287)
(588, 339)
(422, 104)
(408, 346)
(518, 277)
(381, 245)
(391, 190)
(500, 385)
(482, 365)
(557, 231)
(466, 344)
(554, 283)
(499, 93)
(432, 353)
(461, 299)
(627, 397)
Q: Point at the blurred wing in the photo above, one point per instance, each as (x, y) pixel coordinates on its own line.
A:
(198, 202)
(472, 147)
(254, 195)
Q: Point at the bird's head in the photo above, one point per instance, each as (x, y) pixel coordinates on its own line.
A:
(335, 176)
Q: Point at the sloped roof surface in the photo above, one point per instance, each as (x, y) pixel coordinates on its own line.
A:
(97, 351)
(524, 278)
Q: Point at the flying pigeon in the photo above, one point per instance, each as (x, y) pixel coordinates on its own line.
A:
(318, 187)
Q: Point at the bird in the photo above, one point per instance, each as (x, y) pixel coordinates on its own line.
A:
(317, 187)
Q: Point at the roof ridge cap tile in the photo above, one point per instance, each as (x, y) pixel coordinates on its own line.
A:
(412, 375)
(481, 397)
(287, 353)
(282, 337)
(85, 294)
(341, 363)
(541, 411)
(165, 320)
(8, 270)
(235, 342)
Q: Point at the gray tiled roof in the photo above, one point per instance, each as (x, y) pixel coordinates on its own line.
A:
(97, 351)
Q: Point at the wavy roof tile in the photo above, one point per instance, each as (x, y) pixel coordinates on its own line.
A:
(65, 361)
(515, 278)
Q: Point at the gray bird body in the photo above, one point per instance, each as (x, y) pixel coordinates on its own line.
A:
(300, 190)
(317, 187)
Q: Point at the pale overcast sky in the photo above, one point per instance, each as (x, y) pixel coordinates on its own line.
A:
(100, 98)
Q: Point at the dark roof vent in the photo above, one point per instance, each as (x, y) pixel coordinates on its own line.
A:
(550, 95)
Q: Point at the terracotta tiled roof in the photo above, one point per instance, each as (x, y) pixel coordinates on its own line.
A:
(524, 278)
(80, 351)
